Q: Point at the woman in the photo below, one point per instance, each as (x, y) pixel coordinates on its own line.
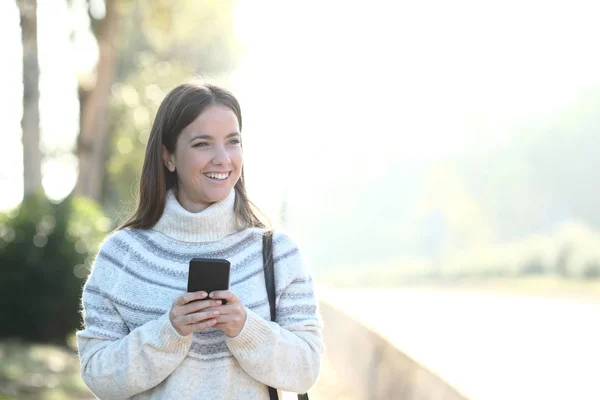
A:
(144, 336)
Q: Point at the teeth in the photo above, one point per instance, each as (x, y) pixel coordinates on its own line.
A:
(217, 176)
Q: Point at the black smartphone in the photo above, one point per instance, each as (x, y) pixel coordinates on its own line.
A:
(208, 274)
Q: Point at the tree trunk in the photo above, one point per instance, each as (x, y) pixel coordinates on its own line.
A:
(91, 143)
(32, 157)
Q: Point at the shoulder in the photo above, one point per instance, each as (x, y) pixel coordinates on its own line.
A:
(287, 251)
(283, 243)
(116, 243)
(109, 261)
(113, 251)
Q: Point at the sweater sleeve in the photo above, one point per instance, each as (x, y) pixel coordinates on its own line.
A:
(287, 354)
(117, 363)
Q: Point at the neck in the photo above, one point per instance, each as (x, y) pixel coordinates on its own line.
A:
(212, 223)
(189, 205)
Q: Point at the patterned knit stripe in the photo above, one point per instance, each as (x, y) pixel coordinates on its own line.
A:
(213, 350)
(169, 272)
(257, 256)
(106, 321)
(152, 243)
(288, 295)
(182, 274)
(139, 259)
(117, 330)
(258, 304)
(107, 244)
(98, 309)
(96, 320)
(101, 334)
(205, 352)
(209, 349)
(93, 307)
(204, 360)
(208, 334)
(305, 310)
(123, 303)
(297, 307)
(300, 280)
(303, 313)
(101, 316)
(114, 327)
(136, 257)
(162, 247)
(178, 274)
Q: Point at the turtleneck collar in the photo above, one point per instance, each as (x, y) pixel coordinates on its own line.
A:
(209, 225)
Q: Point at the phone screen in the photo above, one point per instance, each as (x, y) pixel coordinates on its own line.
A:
(208, 275)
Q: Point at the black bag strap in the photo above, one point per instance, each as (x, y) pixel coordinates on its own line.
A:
(269, 271)
(270, 284)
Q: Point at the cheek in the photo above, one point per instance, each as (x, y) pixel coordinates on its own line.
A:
(237, 159)
(195, 159)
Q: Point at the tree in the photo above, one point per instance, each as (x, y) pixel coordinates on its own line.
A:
(91, 142)
(30, 123)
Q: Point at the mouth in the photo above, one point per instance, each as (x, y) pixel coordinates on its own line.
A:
(217, 176)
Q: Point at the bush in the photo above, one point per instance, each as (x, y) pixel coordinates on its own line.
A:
(45, 253)
(592, 270)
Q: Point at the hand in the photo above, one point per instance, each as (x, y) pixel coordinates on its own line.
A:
(189, 313)
(232, 315)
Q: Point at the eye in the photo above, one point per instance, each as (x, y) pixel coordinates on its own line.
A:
(200, 144)
(235, 141)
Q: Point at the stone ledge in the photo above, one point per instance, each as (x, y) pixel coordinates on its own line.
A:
(371, 368)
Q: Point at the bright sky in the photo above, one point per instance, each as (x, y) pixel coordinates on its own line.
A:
(348, 86)
(58, 98)
(353, 86)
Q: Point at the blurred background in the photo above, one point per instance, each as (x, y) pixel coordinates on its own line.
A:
(438, 155)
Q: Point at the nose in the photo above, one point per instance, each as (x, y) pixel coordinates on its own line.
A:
(221, 156)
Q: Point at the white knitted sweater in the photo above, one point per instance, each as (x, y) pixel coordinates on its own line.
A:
(128, 347)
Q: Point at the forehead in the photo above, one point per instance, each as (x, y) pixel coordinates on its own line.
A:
(215, 120)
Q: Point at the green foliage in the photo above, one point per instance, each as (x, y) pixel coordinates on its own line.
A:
(40, 372)
(133, 104)
(45, 249)
(198, 33)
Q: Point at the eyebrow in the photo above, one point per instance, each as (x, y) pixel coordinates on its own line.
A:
(232, 134)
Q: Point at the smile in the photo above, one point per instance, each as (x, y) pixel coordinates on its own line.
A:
(217, 176)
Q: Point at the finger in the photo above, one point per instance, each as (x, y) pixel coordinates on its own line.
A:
(191, 319)
(225, 319)
(189, 296)
(227, 295)
(197, 306)
(229, 309)
(201, 325)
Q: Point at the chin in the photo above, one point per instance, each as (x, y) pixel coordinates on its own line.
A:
(215, 196)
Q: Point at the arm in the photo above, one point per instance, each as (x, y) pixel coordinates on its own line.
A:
(287, 354)
(117, 363)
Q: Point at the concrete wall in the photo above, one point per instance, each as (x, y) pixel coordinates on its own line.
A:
(370, 368)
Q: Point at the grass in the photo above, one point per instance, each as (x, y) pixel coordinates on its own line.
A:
(39, 372)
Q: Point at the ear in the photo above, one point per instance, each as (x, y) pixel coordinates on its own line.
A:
(168, 159)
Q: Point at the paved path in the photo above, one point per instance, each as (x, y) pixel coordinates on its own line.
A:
(327, 388)
(489, 347)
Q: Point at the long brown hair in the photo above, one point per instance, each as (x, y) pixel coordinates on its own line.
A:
(181, 107)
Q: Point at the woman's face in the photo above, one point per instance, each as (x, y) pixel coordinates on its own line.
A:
(208, 158)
